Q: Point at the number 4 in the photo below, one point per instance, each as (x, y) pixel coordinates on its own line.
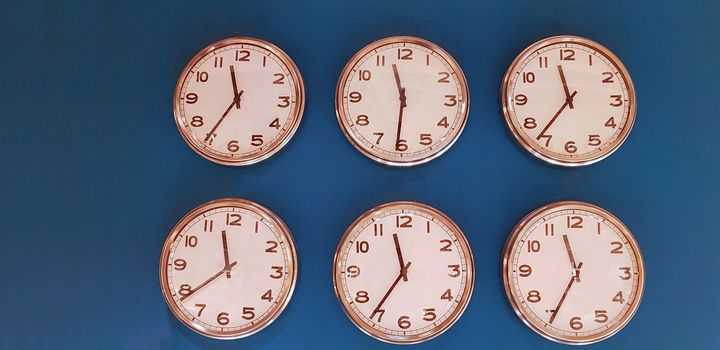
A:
(443, 122)
(275, 123)
(610, 123)
(267, 296)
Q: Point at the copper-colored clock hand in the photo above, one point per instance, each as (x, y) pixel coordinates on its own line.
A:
(225, 253)
(399, 85)
(235, 100)
(403, 104)
(403, 271)
(576, 274)
(400, 119)
(192, 291)
(395, 283)
(568, 97)
(569, 252)
(552, 120)
(235, 87)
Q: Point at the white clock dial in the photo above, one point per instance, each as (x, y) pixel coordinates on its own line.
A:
(403, 272)
(402, 101)
(239, 101)
(228, 268)
(569, 100)
(573, 272)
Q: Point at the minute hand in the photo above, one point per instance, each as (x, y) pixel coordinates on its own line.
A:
(212, 278)
(236, 99)
(564, 295)
(552, 120)
(392, 287)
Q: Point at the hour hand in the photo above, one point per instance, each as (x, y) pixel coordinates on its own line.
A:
(403, 270)
(569, 252)
(235, 87)
(403, 98)
(397, 79)
(225, 253)
(568, 96)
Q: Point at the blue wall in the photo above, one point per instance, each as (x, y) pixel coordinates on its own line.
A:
(95, 174)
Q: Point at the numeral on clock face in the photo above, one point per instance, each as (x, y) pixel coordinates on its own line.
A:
(205, 268)
(402, 101)
(239, 101)
(403, 270)
(557, 104)
(574, 272)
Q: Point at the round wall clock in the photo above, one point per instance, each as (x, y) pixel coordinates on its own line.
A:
(568, 100)
(228, 268)
(239, 101)
(402, 101)
(403, 272)
(573, 272)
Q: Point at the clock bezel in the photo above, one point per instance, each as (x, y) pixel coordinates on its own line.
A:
(296, 115)
(531, 146)
(469, 281)
(538, 214)
(263, 212)
(354, 60)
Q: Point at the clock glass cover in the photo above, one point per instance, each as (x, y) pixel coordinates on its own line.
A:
(403, 272)
(402, 101)
(568, 100)
(228, 268)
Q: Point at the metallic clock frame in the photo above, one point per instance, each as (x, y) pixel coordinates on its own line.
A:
(465, 298)
(527, 143)
(354, 60)
(533, 216)
(197, 145)
(266, 215)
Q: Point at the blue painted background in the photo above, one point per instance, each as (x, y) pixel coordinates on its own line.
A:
(94, 172)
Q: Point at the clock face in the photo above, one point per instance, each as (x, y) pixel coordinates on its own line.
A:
(402, 101)
(568, 100)
(228, 268)
(239, 101)
(403, 272)
(573, 272)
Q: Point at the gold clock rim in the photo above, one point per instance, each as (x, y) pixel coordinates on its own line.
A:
(246, 204)
(297, 113)
(341, 115)
(469, 280)
(576, 205)
(541, 153)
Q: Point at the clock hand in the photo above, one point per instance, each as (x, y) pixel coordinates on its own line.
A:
(397, 82)
(568, 97)
(192, 291)
(576, 274)
(403, 104)
(236, 100)
(403, 270)
(225, 253)
(235, 87)
(400, 118)
(552, 120)
(569, 251)
(397, 280)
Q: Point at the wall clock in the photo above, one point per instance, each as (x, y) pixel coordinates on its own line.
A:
(573, 272)
(403, 272)
(228, 268)
(402, 101)
(568, 100)
(239, 101)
